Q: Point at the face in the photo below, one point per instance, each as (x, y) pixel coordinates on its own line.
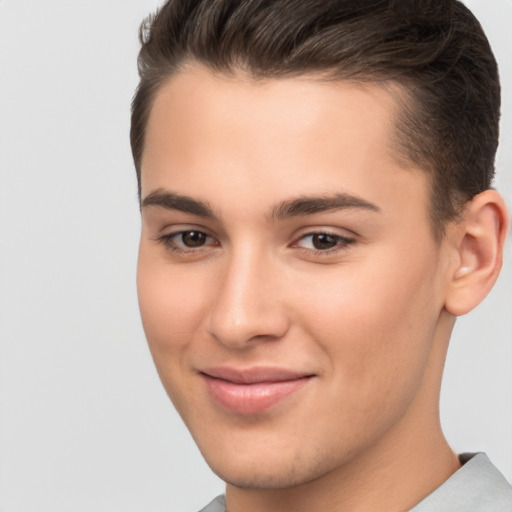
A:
(290, 287)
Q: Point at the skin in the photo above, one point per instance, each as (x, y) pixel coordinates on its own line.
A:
(369, 318)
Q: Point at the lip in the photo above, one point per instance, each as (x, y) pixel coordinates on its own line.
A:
(252, 390)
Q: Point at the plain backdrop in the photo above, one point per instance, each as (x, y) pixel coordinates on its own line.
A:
(84, 423)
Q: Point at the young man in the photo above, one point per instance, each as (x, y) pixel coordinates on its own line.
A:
(315, 183)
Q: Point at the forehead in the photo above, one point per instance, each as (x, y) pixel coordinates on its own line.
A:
(299, 134)
(279, 110)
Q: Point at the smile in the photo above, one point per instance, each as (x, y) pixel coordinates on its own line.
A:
(251, 391)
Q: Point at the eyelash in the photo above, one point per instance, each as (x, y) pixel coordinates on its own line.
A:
(342, 243)
(168, 242)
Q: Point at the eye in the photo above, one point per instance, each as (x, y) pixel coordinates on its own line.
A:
(187, 241)
(192, 238)
(323, 242)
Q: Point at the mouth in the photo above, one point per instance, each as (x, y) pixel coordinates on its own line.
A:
(252, 390)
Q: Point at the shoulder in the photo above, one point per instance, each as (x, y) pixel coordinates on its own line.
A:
(217, 505)
(477, 486)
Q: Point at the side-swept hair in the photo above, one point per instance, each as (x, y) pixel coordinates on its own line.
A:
(434, 50)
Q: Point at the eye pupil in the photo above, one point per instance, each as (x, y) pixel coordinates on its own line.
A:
(324, 241)
(193, 238)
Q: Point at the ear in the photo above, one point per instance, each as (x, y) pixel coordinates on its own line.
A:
(479, 241)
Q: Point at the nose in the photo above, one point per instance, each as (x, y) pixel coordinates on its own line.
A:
(248, 306)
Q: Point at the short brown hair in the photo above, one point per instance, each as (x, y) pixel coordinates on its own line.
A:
(435, 50)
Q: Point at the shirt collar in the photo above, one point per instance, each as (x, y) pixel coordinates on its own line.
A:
(477, 486)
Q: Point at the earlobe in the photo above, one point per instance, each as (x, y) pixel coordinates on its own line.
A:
(479, 245)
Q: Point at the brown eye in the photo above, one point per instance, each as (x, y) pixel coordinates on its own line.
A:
(324, 241)
(193, 238)
(191, 242)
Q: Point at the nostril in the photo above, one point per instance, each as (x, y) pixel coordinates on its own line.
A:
(253, 328)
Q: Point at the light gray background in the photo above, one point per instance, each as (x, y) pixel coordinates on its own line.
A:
(84, 423)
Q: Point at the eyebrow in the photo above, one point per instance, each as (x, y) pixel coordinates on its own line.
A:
(172, 201)
(302, 205)
(309, 205)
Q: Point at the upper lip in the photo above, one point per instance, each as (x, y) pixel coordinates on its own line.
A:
(253, 375)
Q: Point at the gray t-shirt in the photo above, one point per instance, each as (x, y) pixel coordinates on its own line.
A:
(477, 487)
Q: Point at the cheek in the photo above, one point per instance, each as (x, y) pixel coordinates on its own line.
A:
(170, 305)
(376, 326)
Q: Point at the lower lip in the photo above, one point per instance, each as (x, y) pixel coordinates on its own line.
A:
(251, 398)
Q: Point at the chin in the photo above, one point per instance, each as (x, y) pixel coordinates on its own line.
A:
(269, 474)
(285, 479)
